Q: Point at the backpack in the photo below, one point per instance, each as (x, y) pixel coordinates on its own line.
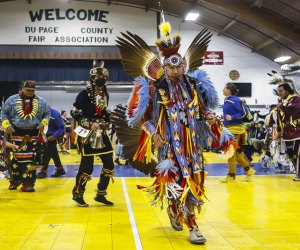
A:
(248, 117)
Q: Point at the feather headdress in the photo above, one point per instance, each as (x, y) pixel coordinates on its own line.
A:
(98, 70)
(278, 79)
(138, 58)
(167, 47)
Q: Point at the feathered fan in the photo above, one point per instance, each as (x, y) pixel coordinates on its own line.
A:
(137, 57)
(195, 52)
(129, 138)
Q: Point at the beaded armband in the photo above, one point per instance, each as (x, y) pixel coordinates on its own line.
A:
(6, 124)
(149, 127)
(44, 122)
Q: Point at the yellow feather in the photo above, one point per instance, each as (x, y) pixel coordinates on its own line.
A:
(165, 28)
(160, 72)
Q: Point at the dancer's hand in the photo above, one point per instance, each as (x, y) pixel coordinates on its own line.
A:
(276, 134)
(51, 138)
(11, 145)
(95, 126)
(40, 127)
(104, 125)
(228, 118)
(10, 130)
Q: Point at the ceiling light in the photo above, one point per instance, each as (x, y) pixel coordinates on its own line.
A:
(282, 59)
(191, 16)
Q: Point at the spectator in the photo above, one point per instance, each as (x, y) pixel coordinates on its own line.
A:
(259, 137)
(56, 129)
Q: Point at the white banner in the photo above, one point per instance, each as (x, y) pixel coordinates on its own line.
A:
(58, 22)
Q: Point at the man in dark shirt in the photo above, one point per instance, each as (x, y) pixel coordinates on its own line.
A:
(90, 111)
(56, 129)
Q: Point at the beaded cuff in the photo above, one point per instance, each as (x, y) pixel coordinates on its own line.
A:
(149, 127)
(6, 124)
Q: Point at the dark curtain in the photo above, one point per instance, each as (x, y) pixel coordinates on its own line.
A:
(56, 70)
(7, 89)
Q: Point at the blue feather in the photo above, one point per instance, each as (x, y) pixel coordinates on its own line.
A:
(143, 101)
(165, 167)
(226, 136)
(205, 88)
(192, 200)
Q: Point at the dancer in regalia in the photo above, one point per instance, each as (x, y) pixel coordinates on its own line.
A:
(288, 126)
(24, 116)
(90, 111)
(166, 118)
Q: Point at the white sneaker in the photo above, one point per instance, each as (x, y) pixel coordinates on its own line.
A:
(196, 237)
(249, 174)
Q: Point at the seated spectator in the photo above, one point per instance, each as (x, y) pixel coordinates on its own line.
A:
(259, 137)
